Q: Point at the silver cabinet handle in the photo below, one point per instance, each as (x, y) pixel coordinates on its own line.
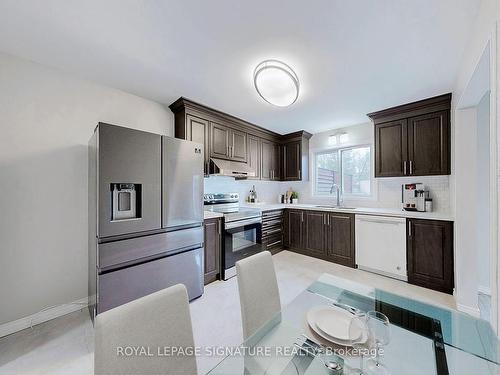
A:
(324, 219)
(266, 233)
(409, 228)
(404, 167)
(302, 216)
(381, 221)
(241, 223)
(328, 216)
(411, 167)
(274, 243)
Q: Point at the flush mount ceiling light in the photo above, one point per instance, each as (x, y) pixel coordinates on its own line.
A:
(276, 83)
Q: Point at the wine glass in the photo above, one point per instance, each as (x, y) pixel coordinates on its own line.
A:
(380, 332)
(358, 335)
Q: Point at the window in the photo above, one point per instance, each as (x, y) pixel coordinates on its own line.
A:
(349, 168)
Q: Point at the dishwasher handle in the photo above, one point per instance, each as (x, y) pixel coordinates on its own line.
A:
(381, 221)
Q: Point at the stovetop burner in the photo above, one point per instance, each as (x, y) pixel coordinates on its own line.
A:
(228, 204)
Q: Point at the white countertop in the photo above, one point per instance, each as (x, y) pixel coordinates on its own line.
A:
(358, 210)
(211, 215)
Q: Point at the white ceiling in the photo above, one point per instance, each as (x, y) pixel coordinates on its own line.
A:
(352, 56)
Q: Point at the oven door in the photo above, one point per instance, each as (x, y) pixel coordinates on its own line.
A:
(242, 239)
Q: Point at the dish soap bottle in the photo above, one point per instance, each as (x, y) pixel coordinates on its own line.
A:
(253, 195)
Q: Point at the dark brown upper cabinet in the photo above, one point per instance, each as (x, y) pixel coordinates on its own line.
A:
(273, 156)
(413, 139)
(296, 156)
(219, 141)
(238, 145)
(195, 129)
(429, 144)
(271, 161)
(227, 143)
(430, 254)
(254, 147)
(391, 149)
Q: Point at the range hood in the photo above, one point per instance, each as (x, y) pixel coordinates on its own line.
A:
(221, 167)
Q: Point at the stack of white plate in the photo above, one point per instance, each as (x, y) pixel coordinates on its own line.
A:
(332, 323)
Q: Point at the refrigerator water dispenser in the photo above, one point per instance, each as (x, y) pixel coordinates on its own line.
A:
(126, 201)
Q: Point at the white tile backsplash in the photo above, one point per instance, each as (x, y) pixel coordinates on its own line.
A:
(267, 191)
(388, 193)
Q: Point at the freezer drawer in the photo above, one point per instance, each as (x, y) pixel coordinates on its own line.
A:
(113, 254)
(118, 287)
(381, 245)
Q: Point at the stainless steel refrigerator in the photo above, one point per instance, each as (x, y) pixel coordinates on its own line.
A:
(145, 215)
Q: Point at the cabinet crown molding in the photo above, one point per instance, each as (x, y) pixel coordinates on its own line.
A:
(434, 104)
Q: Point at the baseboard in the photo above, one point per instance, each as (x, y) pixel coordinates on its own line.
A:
(42, 316)
(484, 290)
(474, 311)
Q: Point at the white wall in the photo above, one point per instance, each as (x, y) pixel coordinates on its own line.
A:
(466, 260)
(46, 119)
(466, 256)
(267, 191)
(483, 192)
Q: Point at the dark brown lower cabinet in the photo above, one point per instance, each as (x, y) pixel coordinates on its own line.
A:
(293, 222)
(314, 233)
(340, 239)
(320, 234)
(272, 231)
(430, 254)
(212, 249)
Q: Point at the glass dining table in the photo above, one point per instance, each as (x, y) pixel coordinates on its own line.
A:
(425, 339)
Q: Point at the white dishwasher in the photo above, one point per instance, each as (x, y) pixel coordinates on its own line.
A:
(381, 245)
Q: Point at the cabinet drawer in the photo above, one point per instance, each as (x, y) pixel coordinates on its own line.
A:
(272, 214)
(273, 241)
(271, 231)
(271, 223)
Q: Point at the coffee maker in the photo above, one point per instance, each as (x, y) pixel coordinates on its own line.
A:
(413, 197)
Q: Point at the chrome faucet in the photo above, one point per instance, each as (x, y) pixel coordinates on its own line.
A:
(339, 194)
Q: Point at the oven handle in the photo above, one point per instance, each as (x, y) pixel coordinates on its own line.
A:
(240, 223)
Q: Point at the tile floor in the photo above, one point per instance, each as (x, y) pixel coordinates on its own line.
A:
(65, 345)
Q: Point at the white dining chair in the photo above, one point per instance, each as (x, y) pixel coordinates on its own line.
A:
(143, 327)
(259, 293)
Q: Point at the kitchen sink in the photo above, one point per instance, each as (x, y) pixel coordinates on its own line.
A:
(335, 207)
